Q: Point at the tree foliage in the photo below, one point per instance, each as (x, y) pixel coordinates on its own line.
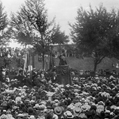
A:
(5, 35)
(5, 29)
(21, 29)
(94, 32)
(33, 26)
(59, 37)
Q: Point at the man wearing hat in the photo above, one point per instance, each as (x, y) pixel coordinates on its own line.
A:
(59, 111)
(51, 115)
(68, 115)
(76, 111)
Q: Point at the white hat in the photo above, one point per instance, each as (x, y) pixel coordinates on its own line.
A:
(20, 115)
(9, 116)
(32, 117)
(100, 108)
(77, 110)
(43, 102)
(107, 111)
(3, 116)
(36, 106)
(32, 101)
(24, 86)
(68, 114)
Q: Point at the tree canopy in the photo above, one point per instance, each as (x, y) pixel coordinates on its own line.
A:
(31, 26)
(5, 29)
(59, 37)
(94, 31)
(21, 30)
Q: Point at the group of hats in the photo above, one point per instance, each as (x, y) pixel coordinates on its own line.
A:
(26, 115)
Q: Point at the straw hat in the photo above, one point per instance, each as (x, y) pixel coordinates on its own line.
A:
(3, 116)
(36, 106)
(76, 111)
(58, 110)
(20, 115)
(68, 114)
(100, 108)
(32, 117)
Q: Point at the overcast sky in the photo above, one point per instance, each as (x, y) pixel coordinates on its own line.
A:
(64, 10)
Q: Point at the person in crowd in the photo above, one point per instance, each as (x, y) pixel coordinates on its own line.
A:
(88, 97)
(62, 60)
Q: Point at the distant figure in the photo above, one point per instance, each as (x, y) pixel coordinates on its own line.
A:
(62, 59)
(1, 75)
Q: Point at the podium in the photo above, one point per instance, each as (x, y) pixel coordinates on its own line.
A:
(63, 75)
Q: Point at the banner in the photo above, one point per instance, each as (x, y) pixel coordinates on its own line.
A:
(25, 61)
(30, 68)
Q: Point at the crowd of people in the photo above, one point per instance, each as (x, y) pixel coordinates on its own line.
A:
(36, 96)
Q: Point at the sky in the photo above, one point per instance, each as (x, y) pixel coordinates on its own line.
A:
(64, 11)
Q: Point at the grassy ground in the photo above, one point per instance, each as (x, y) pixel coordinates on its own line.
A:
(78, 64)
(83, 64)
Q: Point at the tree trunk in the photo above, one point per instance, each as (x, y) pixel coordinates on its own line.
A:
(60, 49)
(50, 63)
(43, 60)
(96, 62)
(33, 60)
(43, 54)
(95, 67)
